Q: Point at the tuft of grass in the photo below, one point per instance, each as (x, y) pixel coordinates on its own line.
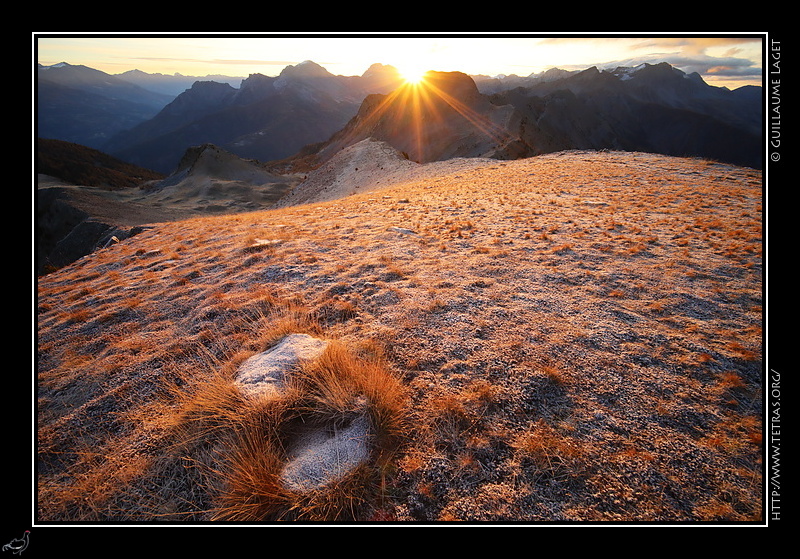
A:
(247, 437)
(550, 453)
(741, 351)
(555, 375)
(392, 271)
(344, 381)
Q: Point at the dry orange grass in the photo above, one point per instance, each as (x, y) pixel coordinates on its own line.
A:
(550, 453)
(330, 389)
(219, 452)
(578, 337)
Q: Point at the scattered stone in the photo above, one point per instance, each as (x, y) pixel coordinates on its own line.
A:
(402, 231)
(260, 244)
(147, 253)
(266, 372)
(112, 241)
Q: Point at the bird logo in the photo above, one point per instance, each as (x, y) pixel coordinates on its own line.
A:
(18, 545)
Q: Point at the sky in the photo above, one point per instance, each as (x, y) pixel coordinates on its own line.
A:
(722, 59)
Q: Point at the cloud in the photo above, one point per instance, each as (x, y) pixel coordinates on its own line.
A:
(725, 55)
(720, 58)
(693, 46)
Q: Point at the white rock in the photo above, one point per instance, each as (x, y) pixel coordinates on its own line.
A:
(326, 454)
(262, 243)
(266, 372)
(402, 230)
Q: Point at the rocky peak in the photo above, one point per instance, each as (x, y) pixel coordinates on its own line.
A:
(456, 84)
(193, 154)
(201, 94)
(381, 78)
(306, 69)
(255, 87)
(379, 69)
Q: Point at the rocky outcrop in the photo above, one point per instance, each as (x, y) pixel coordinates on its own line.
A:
(65, 232)
(220, 181)
(208, 160)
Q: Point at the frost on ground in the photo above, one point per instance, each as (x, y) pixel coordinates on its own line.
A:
(580, 334)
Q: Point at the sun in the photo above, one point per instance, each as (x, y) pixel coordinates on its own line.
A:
(413, 73)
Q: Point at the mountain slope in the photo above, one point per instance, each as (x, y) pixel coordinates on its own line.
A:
(653, 108)
(75, 209)
(212, 180)
(266, 118)
(85, 106)
(77, 164)
(84, 197)
(443, 118)
(368, 166)
(579, 335)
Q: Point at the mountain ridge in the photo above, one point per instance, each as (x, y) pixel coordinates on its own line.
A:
(652, 108)
(86, 106)
(318, 104)
(266, 118)
(656, 108)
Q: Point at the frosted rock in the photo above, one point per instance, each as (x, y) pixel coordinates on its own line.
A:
(402, 230)
(325, 454)
(266, 372)
(260, 244)
(322, 453)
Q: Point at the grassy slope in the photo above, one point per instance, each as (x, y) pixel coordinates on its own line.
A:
(579, 335)
(77, 164)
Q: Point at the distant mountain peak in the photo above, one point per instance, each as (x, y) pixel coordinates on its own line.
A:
(661, 69)
(553, 74)
(202, 93)
(378, 67)
(307, 68)
(457, 84)
(57, 65)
